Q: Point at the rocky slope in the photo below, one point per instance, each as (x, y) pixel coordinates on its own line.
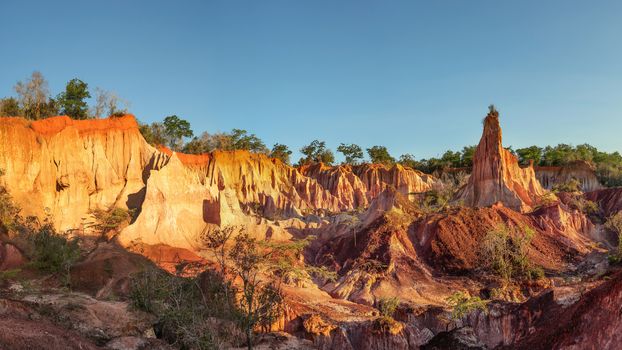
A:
(496, 175)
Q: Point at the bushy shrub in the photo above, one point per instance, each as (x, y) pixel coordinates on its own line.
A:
(503, 252)
(572, 185)
(387, 306)
(193, 313)
(111, 219)
(53, 252)
(614, 224)
(463, 304)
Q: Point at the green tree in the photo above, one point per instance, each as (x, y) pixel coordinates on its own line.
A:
(154, 133)
(380, 154)
(316, 152)
(281, 152)
(409, 161)
(259, 302)
(353, 153)
(451, 159)
(241, 139)
(9, 107)
(71, 101)
(466, 159)
(529, 153)
(175, 130)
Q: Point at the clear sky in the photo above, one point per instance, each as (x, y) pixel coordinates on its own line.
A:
(415, 76)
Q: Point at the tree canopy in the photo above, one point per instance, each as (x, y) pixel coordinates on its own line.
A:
(316, 152)
(281, 152)
(380, 154)
(175, 130)
(72, 100)
(353, 153)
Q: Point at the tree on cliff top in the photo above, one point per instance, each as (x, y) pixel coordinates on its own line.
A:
(107, 104)
(237, 139)
(71, 101)
(9, 107)
(33, 96)
(175, 130)
(316, 152)
(281, 152)
(380, 154)
(353, 153)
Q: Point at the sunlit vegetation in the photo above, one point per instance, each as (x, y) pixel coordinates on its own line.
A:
(463, 304)
(504, 253)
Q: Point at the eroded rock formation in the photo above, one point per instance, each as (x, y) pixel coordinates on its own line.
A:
(580, 170)
(67, 168)
(496, 175)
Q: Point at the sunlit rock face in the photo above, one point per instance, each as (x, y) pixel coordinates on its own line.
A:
(496, 175)
(64, 168)
(356, 186)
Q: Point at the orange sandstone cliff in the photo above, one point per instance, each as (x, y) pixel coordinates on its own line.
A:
(64, 169)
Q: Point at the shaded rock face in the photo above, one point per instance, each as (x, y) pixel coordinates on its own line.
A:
(580, 170)
(496, 175)
(609, 200)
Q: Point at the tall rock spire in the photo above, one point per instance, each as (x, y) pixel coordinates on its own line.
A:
(496, 175)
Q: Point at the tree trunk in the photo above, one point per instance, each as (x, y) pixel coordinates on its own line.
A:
(249, 337)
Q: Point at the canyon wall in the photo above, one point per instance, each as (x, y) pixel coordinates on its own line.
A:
(64, 169)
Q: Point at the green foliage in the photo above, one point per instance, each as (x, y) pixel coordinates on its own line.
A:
(323, 273)
(585, 206)
(47, 250)
(71, 101)
(572, 185)
(614, 224)
(154, 133)
(281, 152)
(259, 303)
(9, 107)
(237, 139)
(439, 198)
(380, 154)
(316, 152)
(466, 158)
(503, 251)
(388, 306)
(187, 307)
(409, 160)
(353, 153)
(9, 212)
(175, 129)
(111, 219)
(527, 154)
(463, 304)
(9, 275)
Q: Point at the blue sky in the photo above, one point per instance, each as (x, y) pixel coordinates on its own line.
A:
(415, 76)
